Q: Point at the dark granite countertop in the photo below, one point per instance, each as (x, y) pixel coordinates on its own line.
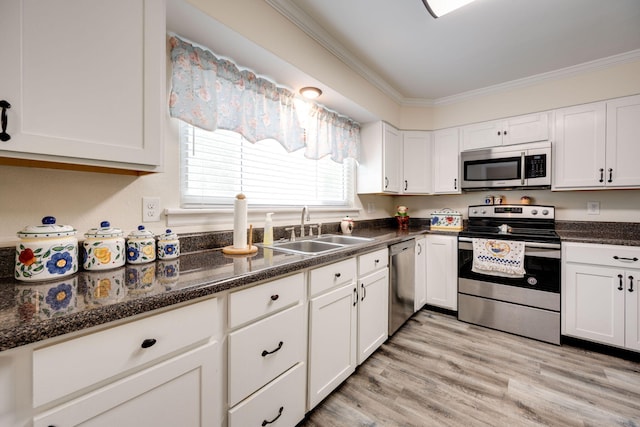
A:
(607, 233)
(35, 311)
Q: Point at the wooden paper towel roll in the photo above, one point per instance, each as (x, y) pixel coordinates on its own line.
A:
(240, 222)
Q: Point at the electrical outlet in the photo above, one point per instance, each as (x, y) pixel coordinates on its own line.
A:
(593, 208)
(150, 209)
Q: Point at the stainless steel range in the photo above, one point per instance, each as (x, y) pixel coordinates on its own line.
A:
(527, 302)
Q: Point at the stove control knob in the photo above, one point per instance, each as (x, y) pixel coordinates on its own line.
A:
(474, 211)
(545, 212)
(484, 211)
(534, 212)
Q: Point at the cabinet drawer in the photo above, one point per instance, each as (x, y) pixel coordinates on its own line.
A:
(258, 301)
(286, 392)
(609, 255)
(261, 351)
(332, 275)
(176, 392)
(64, 368)
(373, 261)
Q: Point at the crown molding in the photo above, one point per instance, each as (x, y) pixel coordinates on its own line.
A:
(561, 73)
(303, 21)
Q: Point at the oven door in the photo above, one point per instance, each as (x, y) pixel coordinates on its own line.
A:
(541, 263)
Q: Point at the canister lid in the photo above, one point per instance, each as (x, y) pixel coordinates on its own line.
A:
(168, 235)
(141, 233)
(49, 228)
(105, 230)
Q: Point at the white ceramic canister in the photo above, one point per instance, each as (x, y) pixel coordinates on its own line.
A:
(103, 248)
(346, 225)
(141, 246)
(46, 252)
(168, 245)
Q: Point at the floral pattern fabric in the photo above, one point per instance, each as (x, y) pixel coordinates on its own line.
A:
(213, 93)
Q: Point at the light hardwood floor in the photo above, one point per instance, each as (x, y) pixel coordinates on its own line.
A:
(437, 371)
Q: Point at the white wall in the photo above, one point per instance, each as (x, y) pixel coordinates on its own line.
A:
(83, 199)
(615, 205)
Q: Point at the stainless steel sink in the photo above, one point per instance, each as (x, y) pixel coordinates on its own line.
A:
(343, 240)
(318, 245)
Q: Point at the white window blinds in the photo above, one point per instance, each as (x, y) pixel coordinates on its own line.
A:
(218, 165)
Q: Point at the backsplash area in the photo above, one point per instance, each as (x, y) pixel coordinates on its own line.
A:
(196, 242)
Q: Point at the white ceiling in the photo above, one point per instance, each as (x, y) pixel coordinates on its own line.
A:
(418, 60)
(398, 45)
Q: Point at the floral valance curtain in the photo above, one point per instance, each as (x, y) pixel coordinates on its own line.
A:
(213, 93)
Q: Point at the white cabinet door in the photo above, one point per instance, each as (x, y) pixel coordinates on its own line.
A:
(332, 340)
(528, 128)
(579, 147)
(623, 142)
(85, 81)
(446, 162)
(421, 273)
(594, 303)
(481, 135)
(177, 392)
(392, 164)
(380, 165)
(632, 309)
(442, 271)
(514, 130)
(373, 311)
(416, 162)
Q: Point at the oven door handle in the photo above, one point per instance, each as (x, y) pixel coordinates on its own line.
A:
(527, 245)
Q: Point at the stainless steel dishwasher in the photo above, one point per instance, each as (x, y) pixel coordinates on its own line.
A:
(402, 283)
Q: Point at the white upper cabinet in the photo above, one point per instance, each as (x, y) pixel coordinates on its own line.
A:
(623, 142)
(514, 130)
(85, 81)
(416, 162)
(380, 166)
(446, 162)
(596, 145)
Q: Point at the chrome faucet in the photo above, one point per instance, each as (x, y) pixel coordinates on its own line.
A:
(305, 215)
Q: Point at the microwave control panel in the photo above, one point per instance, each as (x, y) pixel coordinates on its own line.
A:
(536, 166)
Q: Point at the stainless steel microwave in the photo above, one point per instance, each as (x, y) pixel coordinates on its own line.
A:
(512, 166)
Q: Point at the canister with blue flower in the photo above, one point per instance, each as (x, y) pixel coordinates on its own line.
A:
(141, 246)
(168, 245)
(46, 252)
(103, 248)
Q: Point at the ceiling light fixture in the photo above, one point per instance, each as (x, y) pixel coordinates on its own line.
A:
(437, 8)
(310, 92)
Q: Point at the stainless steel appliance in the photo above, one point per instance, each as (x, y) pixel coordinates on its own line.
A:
(513, 166)
(527, 306)
(402, 283)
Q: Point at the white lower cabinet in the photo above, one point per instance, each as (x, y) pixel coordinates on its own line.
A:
(125, 375)
(600, 293)
(177, 392)
(280, 403)
(373, 302)
(442, 271)
(332, 328)
(421, 273)
(266, 368)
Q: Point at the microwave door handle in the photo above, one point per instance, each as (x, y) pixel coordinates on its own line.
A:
(522, 167)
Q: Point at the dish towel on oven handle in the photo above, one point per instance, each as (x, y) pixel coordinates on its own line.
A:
(503, 258)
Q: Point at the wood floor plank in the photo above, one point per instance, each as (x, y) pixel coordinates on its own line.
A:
(437, 371)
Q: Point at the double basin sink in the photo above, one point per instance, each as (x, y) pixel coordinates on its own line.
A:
(318, 245)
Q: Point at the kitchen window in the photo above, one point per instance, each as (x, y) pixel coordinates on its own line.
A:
(216, 166)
